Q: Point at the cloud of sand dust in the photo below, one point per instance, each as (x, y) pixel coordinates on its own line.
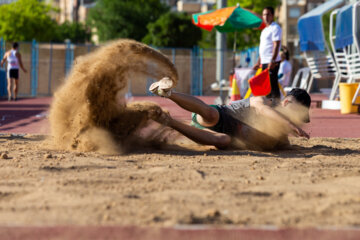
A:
(263, 133)
(89, 111)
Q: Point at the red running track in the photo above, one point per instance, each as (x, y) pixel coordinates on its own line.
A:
(30, 116)
(194, 232)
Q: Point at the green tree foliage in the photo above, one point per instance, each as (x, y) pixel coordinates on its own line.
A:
(124, 18)
(173, 30)
(76, 32)
(25, 20)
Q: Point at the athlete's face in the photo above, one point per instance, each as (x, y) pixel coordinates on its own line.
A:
(296, 109)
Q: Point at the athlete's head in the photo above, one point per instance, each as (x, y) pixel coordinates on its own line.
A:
(15, 45)
(299, 97)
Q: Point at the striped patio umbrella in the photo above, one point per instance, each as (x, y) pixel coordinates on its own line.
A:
(229, 19)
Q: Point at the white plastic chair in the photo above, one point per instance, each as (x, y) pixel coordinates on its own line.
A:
(321, 66)
(340, 58)
(356, 33)
(303, 75)
(312, 43)
(348, 57)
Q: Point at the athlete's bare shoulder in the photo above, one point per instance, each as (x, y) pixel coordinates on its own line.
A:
(256, 101)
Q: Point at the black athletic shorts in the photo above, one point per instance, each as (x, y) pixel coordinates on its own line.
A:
(14, 73)
(226, 124)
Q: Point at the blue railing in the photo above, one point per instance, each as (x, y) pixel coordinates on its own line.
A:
(196, 61)
(34, 67)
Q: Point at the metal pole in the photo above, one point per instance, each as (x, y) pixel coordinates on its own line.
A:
(3, 82)
(50, 68)
(201, 71)
(234, 51)
(69, 56)
(173, 53)
(34, 68)
(193, 71)
(2, 48)
(220, 49)
(220, 55)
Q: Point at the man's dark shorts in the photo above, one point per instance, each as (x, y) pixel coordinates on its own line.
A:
(275, 91)
(226, 124)
(14, 73)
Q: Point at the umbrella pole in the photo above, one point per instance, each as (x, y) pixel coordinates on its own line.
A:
(234, 50)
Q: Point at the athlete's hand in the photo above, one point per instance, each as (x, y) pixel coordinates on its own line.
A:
(256, 66)
(301, 133)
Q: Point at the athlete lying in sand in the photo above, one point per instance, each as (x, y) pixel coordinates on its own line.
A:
(217, 125)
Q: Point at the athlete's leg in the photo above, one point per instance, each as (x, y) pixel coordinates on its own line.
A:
(206, 137)
(207, 115)
(16, 87)
(9, 87)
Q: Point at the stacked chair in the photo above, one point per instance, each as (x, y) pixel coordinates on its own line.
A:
(345, 45)
(312, 42)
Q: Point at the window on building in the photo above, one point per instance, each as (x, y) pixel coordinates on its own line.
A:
(6, 1)
(294, 12)
(311, 6)
(293, 30)
(291, 2)
(87, 2)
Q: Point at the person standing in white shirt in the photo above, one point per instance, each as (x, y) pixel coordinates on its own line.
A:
(285, 69)
(270, 44)
(13, 58)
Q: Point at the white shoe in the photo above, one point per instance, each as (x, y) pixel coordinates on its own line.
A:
(162, 87)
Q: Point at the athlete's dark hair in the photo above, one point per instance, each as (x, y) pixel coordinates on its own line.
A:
(301, 96)
(15, 45)
(271, 9)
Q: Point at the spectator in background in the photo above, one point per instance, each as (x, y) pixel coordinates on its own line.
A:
(285, 68)
(13, 58)
(270, 45)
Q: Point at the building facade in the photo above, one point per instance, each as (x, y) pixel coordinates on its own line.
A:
(289, 13)
(190, 6)
(72, 10)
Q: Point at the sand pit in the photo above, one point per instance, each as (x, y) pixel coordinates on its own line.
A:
(316, 184)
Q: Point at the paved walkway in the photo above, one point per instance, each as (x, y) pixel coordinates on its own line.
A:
(30, 116)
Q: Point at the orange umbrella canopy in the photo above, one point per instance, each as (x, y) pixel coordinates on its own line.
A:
(229, 19)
